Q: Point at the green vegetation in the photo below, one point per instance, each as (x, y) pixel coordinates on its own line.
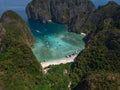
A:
(57, 78)
(95, 20)
(97, 67)
(100, 81)
(19, 69)
(16, 28)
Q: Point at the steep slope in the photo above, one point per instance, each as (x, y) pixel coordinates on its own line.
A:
(101, 56)
(100, 81)
(39, 10)
(60, 11)
(19, 69)
(95, 19)
(17, 27)
(97, 66)
(2, 34)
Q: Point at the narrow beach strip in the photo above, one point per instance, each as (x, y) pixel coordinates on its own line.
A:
(60, 61)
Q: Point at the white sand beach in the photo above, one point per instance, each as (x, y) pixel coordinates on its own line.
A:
(60, 61)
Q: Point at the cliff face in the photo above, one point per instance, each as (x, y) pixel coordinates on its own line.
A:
(60, 11)
(79, 15)
(15, 26)
(19, 69)
(98, 64)
(92, 21)
(2, 34)
(99, 82)
(39, 10)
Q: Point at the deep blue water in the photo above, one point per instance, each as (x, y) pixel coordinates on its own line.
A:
(103, 2)
(15, 5)
(52, 40)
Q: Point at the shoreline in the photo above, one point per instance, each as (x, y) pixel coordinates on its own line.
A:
(58, 61)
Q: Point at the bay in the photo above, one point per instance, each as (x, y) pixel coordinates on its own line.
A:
(53, 41)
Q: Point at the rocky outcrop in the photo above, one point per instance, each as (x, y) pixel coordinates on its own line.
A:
(92, 21)
(79, 15)
(61, 11)
(15, 26)
(17, 62)
(102, 52)
(39, 10)
(2, 34)
(98, 82)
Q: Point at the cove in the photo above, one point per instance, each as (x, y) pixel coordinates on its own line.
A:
(52, 39)
(54, 42)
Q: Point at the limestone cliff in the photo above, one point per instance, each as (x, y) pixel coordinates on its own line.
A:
(19, 69)
(15, 26)
(2, 34)
(39, 10)
(97, 66)
(60, 11)
(96, 19)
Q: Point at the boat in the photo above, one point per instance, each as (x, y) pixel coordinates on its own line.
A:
(49, 20)
(83, 34)
(38, 31)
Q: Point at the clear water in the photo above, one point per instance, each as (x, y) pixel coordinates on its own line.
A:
(52, 40)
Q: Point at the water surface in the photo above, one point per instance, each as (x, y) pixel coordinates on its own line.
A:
(53, 41)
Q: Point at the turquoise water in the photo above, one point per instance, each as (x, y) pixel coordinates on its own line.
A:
(54, 42)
